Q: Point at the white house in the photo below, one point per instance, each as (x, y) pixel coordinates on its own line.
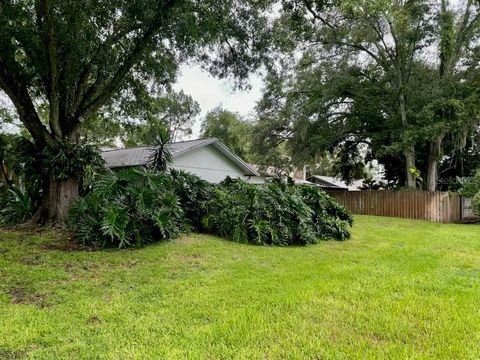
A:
(207, 158)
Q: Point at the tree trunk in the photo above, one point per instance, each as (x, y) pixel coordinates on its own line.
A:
(5, 175)
(410, 180)
(460, 166)
(409, 151)
(434, 155)
(57, 200)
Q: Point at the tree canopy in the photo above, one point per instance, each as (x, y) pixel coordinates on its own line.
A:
(401, 77)
(230, 128)
(63, 61)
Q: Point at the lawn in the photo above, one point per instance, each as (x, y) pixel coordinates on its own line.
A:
(397, 289)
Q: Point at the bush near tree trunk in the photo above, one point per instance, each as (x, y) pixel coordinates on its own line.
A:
(128, 208)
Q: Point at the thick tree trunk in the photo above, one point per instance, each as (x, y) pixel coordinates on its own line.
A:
(409, 154)
(58, 198)
(434, 155)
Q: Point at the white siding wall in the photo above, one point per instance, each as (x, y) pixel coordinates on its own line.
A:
(209, 164)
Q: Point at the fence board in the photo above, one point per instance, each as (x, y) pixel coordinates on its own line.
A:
(437, 206)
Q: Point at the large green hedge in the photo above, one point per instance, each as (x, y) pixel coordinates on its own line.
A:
(276, 214)
(137, 206)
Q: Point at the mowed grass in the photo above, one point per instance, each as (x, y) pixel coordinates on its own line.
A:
(397, 289)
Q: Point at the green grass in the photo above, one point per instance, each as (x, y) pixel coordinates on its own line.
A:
(397, 289)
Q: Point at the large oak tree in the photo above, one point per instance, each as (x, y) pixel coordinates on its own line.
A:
(61, 61)
(400, 75)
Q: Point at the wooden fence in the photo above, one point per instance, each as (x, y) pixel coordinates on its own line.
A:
(437, 206)
(467, 210)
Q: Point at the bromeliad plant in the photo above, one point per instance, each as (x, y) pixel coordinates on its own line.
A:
(128, 208)
(16, 206)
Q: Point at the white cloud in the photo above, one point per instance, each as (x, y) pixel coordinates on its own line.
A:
(211, 92)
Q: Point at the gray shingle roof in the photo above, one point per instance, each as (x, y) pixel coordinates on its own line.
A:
(140, 156)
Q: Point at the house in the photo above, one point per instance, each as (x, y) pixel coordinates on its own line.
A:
(269, 172)
(207, 158)
(334, 184)
(328, 183)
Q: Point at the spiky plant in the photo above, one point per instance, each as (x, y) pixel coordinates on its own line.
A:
(160, 155)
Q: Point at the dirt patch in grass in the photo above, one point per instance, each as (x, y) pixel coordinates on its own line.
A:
(130, 263)
(68, 246)
(32, 260)
(94, 320)
(19, 295)
(12, 354)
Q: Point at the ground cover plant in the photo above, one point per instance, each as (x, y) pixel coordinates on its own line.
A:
(138, 206)
(398, 289)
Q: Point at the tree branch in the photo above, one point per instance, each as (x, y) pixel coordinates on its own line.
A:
(53, 91)
(97, 95)
(18, 93)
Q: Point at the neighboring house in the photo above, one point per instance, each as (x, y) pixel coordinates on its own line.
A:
(331, 183)
(207, 158)
(270, 172)
(325, 182)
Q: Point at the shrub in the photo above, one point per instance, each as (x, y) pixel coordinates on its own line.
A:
(469, 186)
(16, 206)
(275, 213)
(133, 207)
(127, 208)
(193, 194)
(331, 219)
(476, 204)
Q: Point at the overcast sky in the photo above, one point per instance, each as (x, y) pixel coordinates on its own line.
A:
(210, 92)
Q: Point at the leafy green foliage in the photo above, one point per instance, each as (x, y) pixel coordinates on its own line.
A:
(476, 204)
(331, 219)
(135, 206)
(469, 186)
(16, 206)
(161, 155)
(193, 194)
(230, 128)
(128, 208)
(275, 214)
(67, 159)
(176, 111)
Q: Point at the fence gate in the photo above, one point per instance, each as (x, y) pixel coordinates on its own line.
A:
(467, 210)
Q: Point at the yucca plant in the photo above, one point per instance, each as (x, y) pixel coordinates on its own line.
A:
(160, 155)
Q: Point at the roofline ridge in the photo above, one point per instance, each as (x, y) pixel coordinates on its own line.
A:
(172, 143)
